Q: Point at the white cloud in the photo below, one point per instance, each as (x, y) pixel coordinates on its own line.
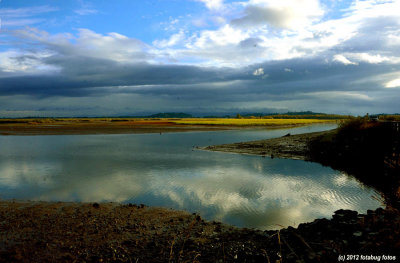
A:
(343, 59)
(85, 11)
(365, 57)
(172, 41)
(373, 8)
(288, 14)
(25, 12)
(287, 29)
(393, 83)
(309, 35)
(373, 59)
(87, 43)
(224, 36)
(13, 61)
(213, 4)
(258, 72)
(15, 17)
(200, 22)
(334, 95)
(19, 22)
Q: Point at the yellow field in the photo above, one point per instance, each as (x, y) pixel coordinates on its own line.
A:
(248, 122)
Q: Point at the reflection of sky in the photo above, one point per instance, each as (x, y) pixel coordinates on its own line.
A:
(164, 170)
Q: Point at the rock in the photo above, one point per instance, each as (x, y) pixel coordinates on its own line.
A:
(343, 214)
(379, 211)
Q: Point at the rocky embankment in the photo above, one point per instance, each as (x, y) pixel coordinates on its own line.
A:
(71, 232)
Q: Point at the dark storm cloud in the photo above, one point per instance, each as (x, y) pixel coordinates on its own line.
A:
(80, 76)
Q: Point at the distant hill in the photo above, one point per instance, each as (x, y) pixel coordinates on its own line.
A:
(171, 115)
(297, 113)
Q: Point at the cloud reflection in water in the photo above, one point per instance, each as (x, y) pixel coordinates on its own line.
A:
(163, 171)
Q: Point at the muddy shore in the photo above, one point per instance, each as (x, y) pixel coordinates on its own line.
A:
(289, 146)
(73, 232)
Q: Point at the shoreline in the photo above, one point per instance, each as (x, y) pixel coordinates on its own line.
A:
(286, 147)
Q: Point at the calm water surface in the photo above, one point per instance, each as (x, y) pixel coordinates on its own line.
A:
(165, 170)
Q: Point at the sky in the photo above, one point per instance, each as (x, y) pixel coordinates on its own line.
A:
(126, 58)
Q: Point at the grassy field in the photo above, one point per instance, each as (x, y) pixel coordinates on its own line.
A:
(54, 126)
(249, 122)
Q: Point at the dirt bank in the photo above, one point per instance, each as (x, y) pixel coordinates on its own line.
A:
(72, 232)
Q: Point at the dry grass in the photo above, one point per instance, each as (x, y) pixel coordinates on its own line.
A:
(57, 126)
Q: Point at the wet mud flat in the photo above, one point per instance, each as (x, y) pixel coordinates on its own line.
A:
(109, 232)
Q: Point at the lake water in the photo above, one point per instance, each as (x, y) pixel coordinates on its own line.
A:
(164, 170)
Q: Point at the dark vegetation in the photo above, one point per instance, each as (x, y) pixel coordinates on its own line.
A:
(386, 117)
(369, 150)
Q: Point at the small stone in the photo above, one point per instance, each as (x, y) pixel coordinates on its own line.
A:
(379, 211)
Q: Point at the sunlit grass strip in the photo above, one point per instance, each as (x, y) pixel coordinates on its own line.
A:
(249, 122)
(172, 121)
